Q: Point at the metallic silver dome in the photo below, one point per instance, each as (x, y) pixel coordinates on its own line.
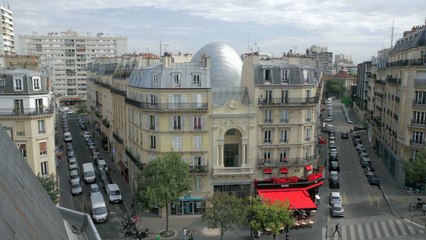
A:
(226, 64)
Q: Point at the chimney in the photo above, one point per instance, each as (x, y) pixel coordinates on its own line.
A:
(205, 61)
(167, 60)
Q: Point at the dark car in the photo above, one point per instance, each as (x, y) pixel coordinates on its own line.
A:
(333, 182)
(83, 126)
(344, 135)
(333, 157)
(369, 171)
(334, 166)
(374, 180)
(359, 127)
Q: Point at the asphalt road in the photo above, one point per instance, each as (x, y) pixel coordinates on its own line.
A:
(110, 229)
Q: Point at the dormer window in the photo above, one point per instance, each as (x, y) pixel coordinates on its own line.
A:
(267, 75)
(305, 75)
(2, 82)
(36, 83)
(285, 75)
(154, 79)
(17, 84)
(176, 80)
(196, 81)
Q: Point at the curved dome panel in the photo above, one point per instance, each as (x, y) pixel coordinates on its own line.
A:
(226, 64)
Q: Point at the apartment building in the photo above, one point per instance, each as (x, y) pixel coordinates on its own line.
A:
(26, 108)
(203, 110)
(7, 38)
(66, 55)
(395, 104)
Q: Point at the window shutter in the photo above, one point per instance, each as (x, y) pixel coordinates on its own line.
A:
(171, 123)
(147, 121)
(174, 144)
(171, 101)
(183, 117)
(191, 123)
(192, 161)
(180, 143)
(194, 142)
(203, 161)
(156, 123)
(199, 143)
(203, 122)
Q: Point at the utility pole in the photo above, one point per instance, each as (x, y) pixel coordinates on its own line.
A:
(393, 28)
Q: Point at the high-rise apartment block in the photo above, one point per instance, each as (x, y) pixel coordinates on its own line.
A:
(392, 97)
(7, 39)
(323, 59)
(64, 57)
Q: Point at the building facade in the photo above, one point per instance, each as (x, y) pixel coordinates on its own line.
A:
(7, 38)
(66, 55)
(26, 107)
(395, 108)
(218, 113)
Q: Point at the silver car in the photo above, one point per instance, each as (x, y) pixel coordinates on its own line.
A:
(337, 210)
(76, 188)
(74, 177)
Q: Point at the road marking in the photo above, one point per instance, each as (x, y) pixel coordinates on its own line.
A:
(352, 231)
(360, 232)
(324, 233)
(344, 234)
(377, 230)
(401, 227)
(395, 233)
(385, 229)
(369, 233)
(411, 229)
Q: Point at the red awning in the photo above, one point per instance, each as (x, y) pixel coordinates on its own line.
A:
(267, 171)
(283, 170)
(308, 168)
(299, 199)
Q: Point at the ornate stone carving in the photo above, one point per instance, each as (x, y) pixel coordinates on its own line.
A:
(233, 104)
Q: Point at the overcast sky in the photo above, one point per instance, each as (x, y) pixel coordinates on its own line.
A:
(359, 28)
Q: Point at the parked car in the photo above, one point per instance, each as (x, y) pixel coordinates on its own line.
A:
(86, 135)
(76, 188)
(363, 154)
(365, 162)
(333, 181)
(74, 176)
(83, 126)
(332, 150)
(332, 145)
(337, 210)
(334, 197)
(70, 153)
(374, 180)
(72, 164)
(359, 127)
(102, 165)
(333, 156)
(329, 119)
(344, 135)
(369, 171)
(94, 188)
(334, 166)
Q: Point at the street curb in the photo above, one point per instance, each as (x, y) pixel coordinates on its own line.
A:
(387, 202)
(414, 223)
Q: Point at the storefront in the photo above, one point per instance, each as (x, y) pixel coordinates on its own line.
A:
(187, 205)
(300, 192)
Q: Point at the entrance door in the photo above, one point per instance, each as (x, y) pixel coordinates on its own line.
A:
(231, 155)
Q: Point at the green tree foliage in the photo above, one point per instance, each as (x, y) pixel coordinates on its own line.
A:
(224, 211)
(51, 187)
(266, 215)
(334, 88)
(347, 101)
(162, 182)
(415, 171)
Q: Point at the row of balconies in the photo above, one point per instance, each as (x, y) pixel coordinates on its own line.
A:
(407, 62)
(26, 111)
(287, 101)
(167, 106)
(117, 137)
(290, 162)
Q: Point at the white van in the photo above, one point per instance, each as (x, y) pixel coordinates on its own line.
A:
(89, 172)
(67, 137)
(114, 194)
(99, 209)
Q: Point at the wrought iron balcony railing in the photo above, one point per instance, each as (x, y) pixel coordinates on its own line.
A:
(286, 101)
(26, 111)
(167, 106)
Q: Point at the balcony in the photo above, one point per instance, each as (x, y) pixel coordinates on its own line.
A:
(118, 91)
(289, 162)
(98, 114)
(136, 161)
(393, 80)
(105, 85)
(286, 101)
(377, 94)
(168, 106)
(407, 62)
(26, 111)
(232, 171)
(117, 137)
(419, 103)
(200, 169)
(420, 144)
(417, 124)
(106, 123)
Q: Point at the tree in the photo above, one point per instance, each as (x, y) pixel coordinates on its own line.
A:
(415, 171)
(224, 211)
(162, 182)
(50, 185)
(266, 215)
(334, 87)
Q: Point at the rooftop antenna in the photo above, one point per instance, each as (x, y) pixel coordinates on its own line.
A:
(393, 28)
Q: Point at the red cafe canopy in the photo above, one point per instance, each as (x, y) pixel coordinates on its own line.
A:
(299, 199)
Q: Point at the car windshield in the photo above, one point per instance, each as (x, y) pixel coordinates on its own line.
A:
(95, 190)
(338, 209)
(89, 174)
(76, 185)
(115, 193)
(74, 176)
(99, 210)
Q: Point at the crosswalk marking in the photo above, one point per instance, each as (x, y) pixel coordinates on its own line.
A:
(360, 232)
(395, 233)
(401, 227)
(324, 233)
(352, 231)
(411, 229)
(369, 233)
(377, 230)
(385, 229)
(344, 234)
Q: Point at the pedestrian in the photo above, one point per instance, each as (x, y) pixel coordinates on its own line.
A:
(336, 229)
(185, 233)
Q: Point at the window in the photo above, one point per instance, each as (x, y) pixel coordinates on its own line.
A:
(177, 143)
(152, 122)
(308, 115)
(41, 126)
(177, 122)
(19, 106)
(153, 100)
(285, 76)
(44, 169)
(267, 155)
(36, 83)
(268, 136)
(175, 101)
(420, 97)
(268, 116)
(419, 118)
(305, 75)
(284, 155)
(196, 80)
(2, 82)
(22, 147)
(284, 96)
(176, 80)
(197, 184)
(307, 134)
(43, 148)
(197, 122)
(197, 143)
(154, 80)
(283, 136)
(267, 74)
(17, 84)
(284, 116)
(153, 142)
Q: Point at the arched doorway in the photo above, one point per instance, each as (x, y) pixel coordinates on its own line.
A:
(232, 148)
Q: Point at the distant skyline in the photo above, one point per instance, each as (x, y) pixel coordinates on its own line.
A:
(357, 28)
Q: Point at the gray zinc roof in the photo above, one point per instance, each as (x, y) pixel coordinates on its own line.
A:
(413, 40)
